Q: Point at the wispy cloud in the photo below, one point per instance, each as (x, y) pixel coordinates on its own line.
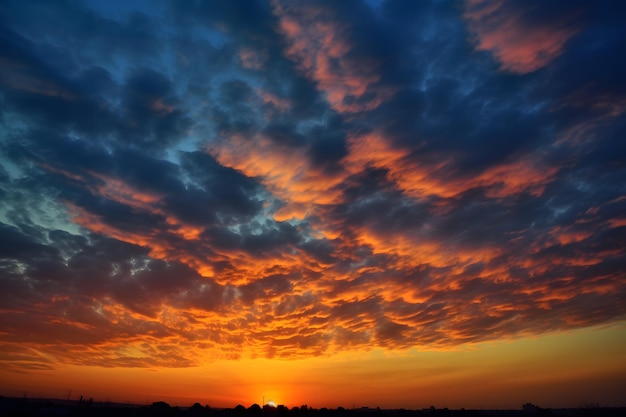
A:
(521, 44)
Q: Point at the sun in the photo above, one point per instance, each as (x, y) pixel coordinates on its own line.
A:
(271, 403)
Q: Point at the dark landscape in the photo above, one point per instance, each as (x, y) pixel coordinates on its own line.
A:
(18, 407)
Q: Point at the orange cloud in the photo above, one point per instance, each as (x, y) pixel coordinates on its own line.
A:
(519, 47)
(567, 235)
(279, 103)
(417, 180)
(319, 44)
(95, 224)
(157, 240)
(159, 106)
(117, 190)
(252, 58)
(383, 288)
(617, 222)
(285, 171)
(170, 240)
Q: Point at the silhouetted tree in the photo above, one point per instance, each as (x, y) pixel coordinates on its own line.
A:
(160, 408)
(197, 410)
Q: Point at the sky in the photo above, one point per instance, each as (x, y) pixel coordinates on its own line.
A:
(334, 203)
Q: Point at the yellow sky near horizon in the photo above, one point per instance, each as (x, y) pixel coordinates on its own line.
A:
(553, 370)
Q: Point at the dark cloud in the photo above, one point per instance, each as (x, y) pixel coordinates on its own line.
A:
(150, 107)
(291, 179)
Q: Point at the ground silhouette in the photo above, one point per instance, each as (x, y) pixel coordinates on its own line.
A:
(24, 407)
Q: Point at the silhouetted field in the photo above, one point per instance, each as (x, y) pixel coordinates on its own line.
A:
(22, 407)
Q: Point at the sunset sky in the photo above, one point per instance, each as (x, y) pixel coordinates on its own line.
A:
(335, 203)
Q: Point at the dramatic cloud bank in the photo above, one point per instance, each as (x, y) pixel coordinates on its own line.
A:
(185, 181)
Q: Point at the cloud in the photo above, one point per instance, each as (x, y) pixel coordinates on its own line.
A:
(521, 46)
(288, 181)
(426, 180)
(252, 59)
(288, 172)
(319, 43)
